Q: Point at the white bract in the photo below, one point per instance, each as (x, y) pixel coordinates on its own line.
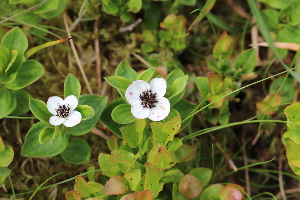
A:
(63, 111)
(147, 100)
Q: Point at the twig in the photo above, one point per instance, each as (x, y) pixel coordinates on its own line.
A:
(282, 192)
(76, 55)
(97, 54)
(254, 40)
(131, 26)
(228, 159)
(141, 59)
(99, 133)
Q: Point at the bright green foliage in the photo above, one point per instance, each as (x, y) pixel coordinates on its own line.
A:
(4, 172)
(33, 148)
(223, 47)
(245, 61)
(124, 70)
(293, 114)
(133, 177)
(72, 86)
(147, 75)
(22, 97)
(293, 155)
(118, 82)
(39, 109)
(86, 111)
(122, 114)
(6, 155)
(77, 152)
(211, 192)
(46, 135)
(8, 102)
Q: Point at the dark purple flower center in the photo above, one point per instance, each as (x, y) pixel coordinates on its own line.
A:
(148, 99)
(63, 111)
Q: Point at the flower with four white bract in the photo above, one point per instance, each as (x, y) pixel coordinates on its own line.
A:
(63, 111)
(147, 99)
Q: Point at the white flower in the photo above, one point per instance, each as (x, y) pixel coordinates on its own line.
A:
(147, 100)
(63, 111)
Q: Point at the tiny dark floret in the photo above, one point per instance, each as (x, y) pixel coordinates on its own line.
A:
(63, 111)
(148, 99)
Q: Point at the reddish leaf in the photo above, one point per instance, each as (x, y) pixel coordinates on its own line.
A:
(232, 192)
(115, 185)
(189, 186)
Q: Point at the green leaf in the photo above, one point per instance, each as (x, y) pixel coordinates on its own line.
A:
(211, 192)
(46, 135)
(172, 127)
(124, 70)
(223, 47)
(15, 39)
(78, 151)
(130, 135)
(174, 145)
(293, 155)
(72, 86)
(29, 72)
(158, 135)
(133, 177)
(118, 82)
(203, 174)
(147, 75)
(40, 110)
(22, 97)
(215, 82)
(246, 61)
(202, 85)
(292, 113)
(135, 5)
(86, 189)
(109, 168)
(177, 86)
(290, 13)
(48, 6)
(6, 156)
(293, 135)
(13, 57)
(4, 172)
(107, 119)
(152, 179)
(33, 148)
(62, 4)
(122, 114)
(4, 58)
(86, 111)
(98, 104)
(8, 102)
(183, 153)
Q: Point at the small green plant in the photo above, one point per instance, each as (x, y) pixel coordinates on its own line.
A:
(59, 120)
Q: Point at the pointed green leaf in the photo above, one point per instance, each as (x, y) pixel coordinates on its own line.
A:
(4, 58)
(175, 74)
(202, 85)
(32, 147)
(15, 39)
(172, 127)
(83, 188)
(246, 61)
(14, 54)
(130, 135)
(292, 113)
(118, 82)
(29, 72)
(72, 86)
(178, 85)
(223, 47)
(158, 135)
(40, 110)
(215, 82)
(133, 177)
(124, 70)
(147, 75)
(8, 102)
(6, 156)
